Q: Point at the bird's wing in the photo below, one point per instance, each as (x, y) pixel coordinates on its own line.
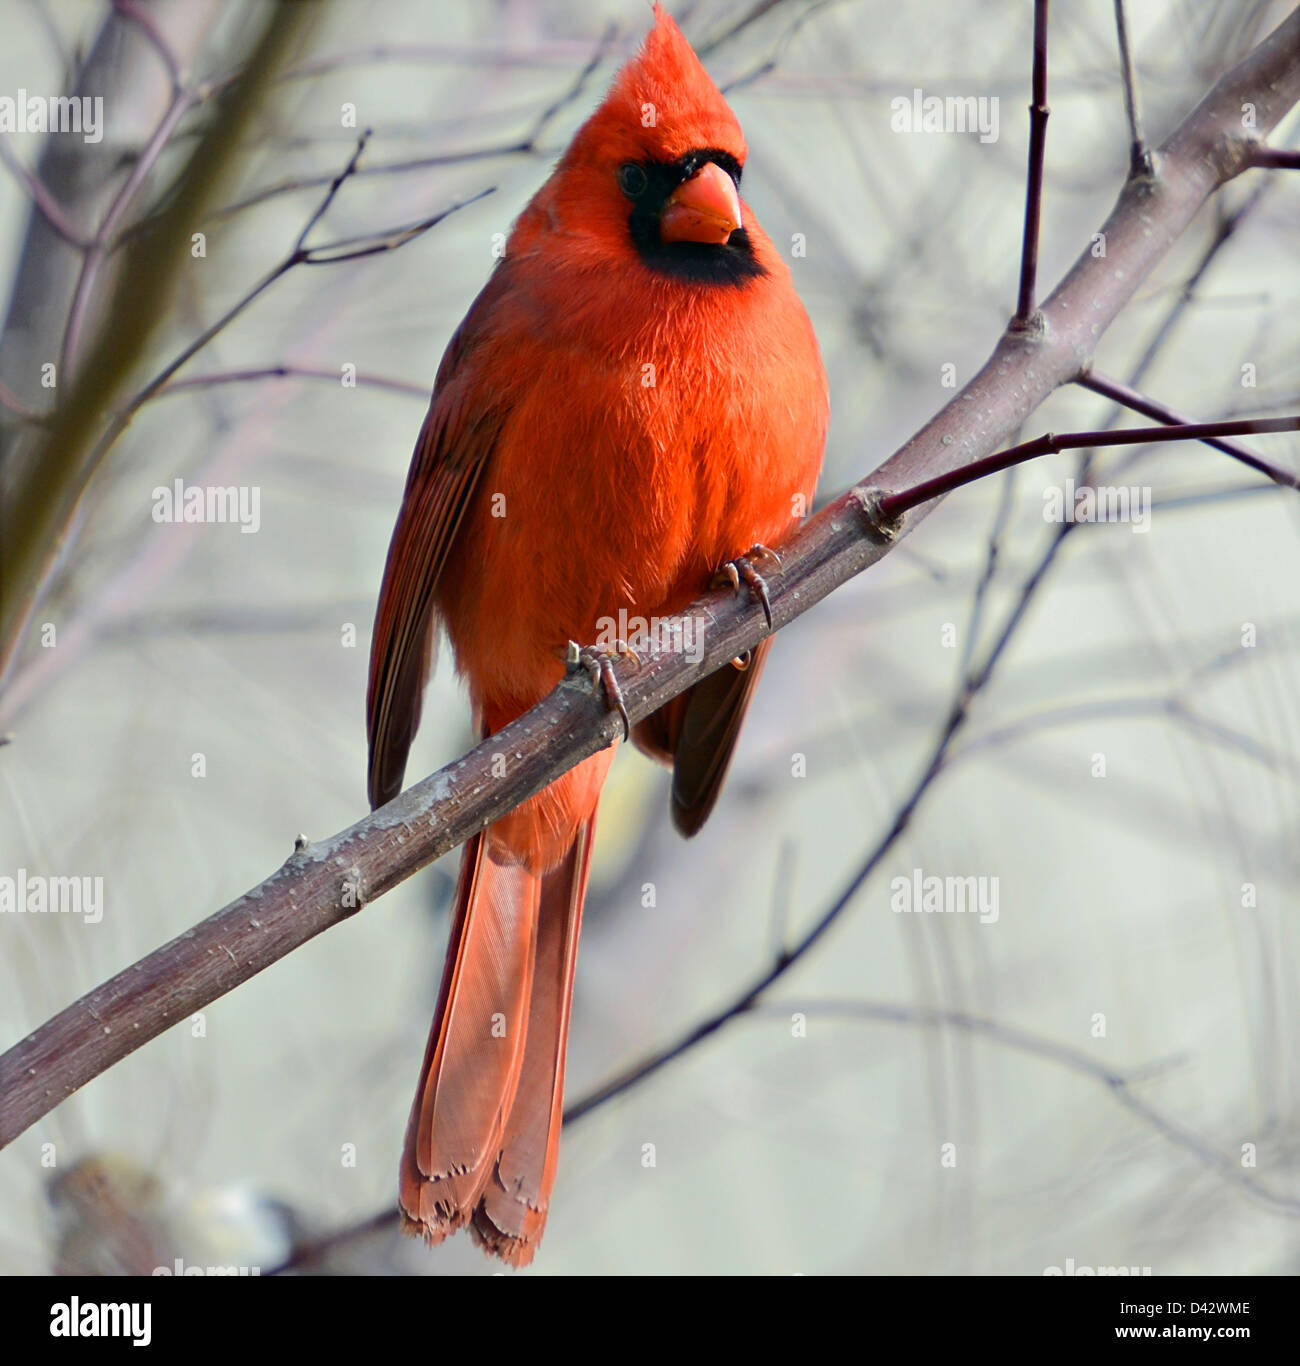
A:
(697, 734)
(459, 434)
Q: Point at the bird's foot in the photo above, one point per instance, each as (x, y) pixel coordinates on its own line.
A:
(742, 570)
(598, 664)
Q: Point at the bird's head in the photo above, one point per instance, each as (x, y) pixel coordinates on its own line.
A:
(655, 172)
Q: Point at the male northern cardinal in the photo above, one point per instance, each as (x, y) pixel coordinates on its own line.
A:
(634, 401)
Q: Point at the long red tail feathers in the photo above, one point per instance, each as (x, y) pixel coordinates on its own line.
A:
(482, 1142)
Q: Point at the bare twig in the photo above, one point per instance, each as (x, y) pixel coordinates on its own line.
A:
(148, 25)
(768, 63)
(528, 145)
(220, 377)
(979, 599)
(893, 505)
(81, 180)
(575, 89)
(182, 101)
(309, 182)
(748, 997)
(1120, 1084)
(1139, 157)
(1225, 228)
(737, 26)
(1170, 708)
(323, 207)
(1038, 115)
(305, 1254)
(42, 198)
(533, 57)
(1275, 158)
(330, 253)
(1148, 407)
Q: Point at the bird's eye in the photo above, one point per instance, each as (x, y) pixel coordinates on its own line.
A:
(631, 179)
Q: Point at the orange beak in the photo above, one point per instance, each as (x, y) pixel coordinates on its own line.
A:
(705, 208)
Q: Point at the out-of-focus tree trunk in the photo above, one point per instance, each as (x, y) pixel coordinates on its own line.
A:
(126, 70)
(46, 469)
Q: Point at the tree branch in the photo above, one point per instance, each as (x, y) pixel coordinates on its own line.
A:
(893, 505)
(1160, 412)
(1038, 114)
(1275, 159)
(1139, 157)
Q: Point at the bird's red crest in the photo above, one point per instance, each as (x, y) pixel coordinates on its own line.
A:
(662, 105)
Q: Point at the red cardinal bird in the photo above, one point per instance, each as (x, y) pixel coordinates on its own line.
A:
(634, 400)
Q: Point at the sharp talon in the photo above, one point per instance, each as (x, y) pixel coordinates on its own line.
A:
(736, 572)
(757, 589)
(743, 660)
(599, 667)
(613, 693)
(759, 551)
(728, 576)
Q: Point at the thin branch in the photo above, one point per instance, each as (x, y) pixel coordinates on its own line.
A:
(1130, 398)
(321, 372)
(310, 182)
(148, 25)
(979, 599)
(893, 505)
(1226, 226)
(373, 244)
(1119, 1084)
(1275, 158)
(528, 145)
(459, 55)
(1140, 163)
(977, 678)
(335, 185)
(733, 30)
(320, 885)
(42, 198)
(1171, 708)
(182, 101)
(575, 89)
(1038, 115)
(1177, 502)
(304, 1254)
(770, 62)
(782, 888)
(328, 254)
(995, 1031)
(747, 998)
